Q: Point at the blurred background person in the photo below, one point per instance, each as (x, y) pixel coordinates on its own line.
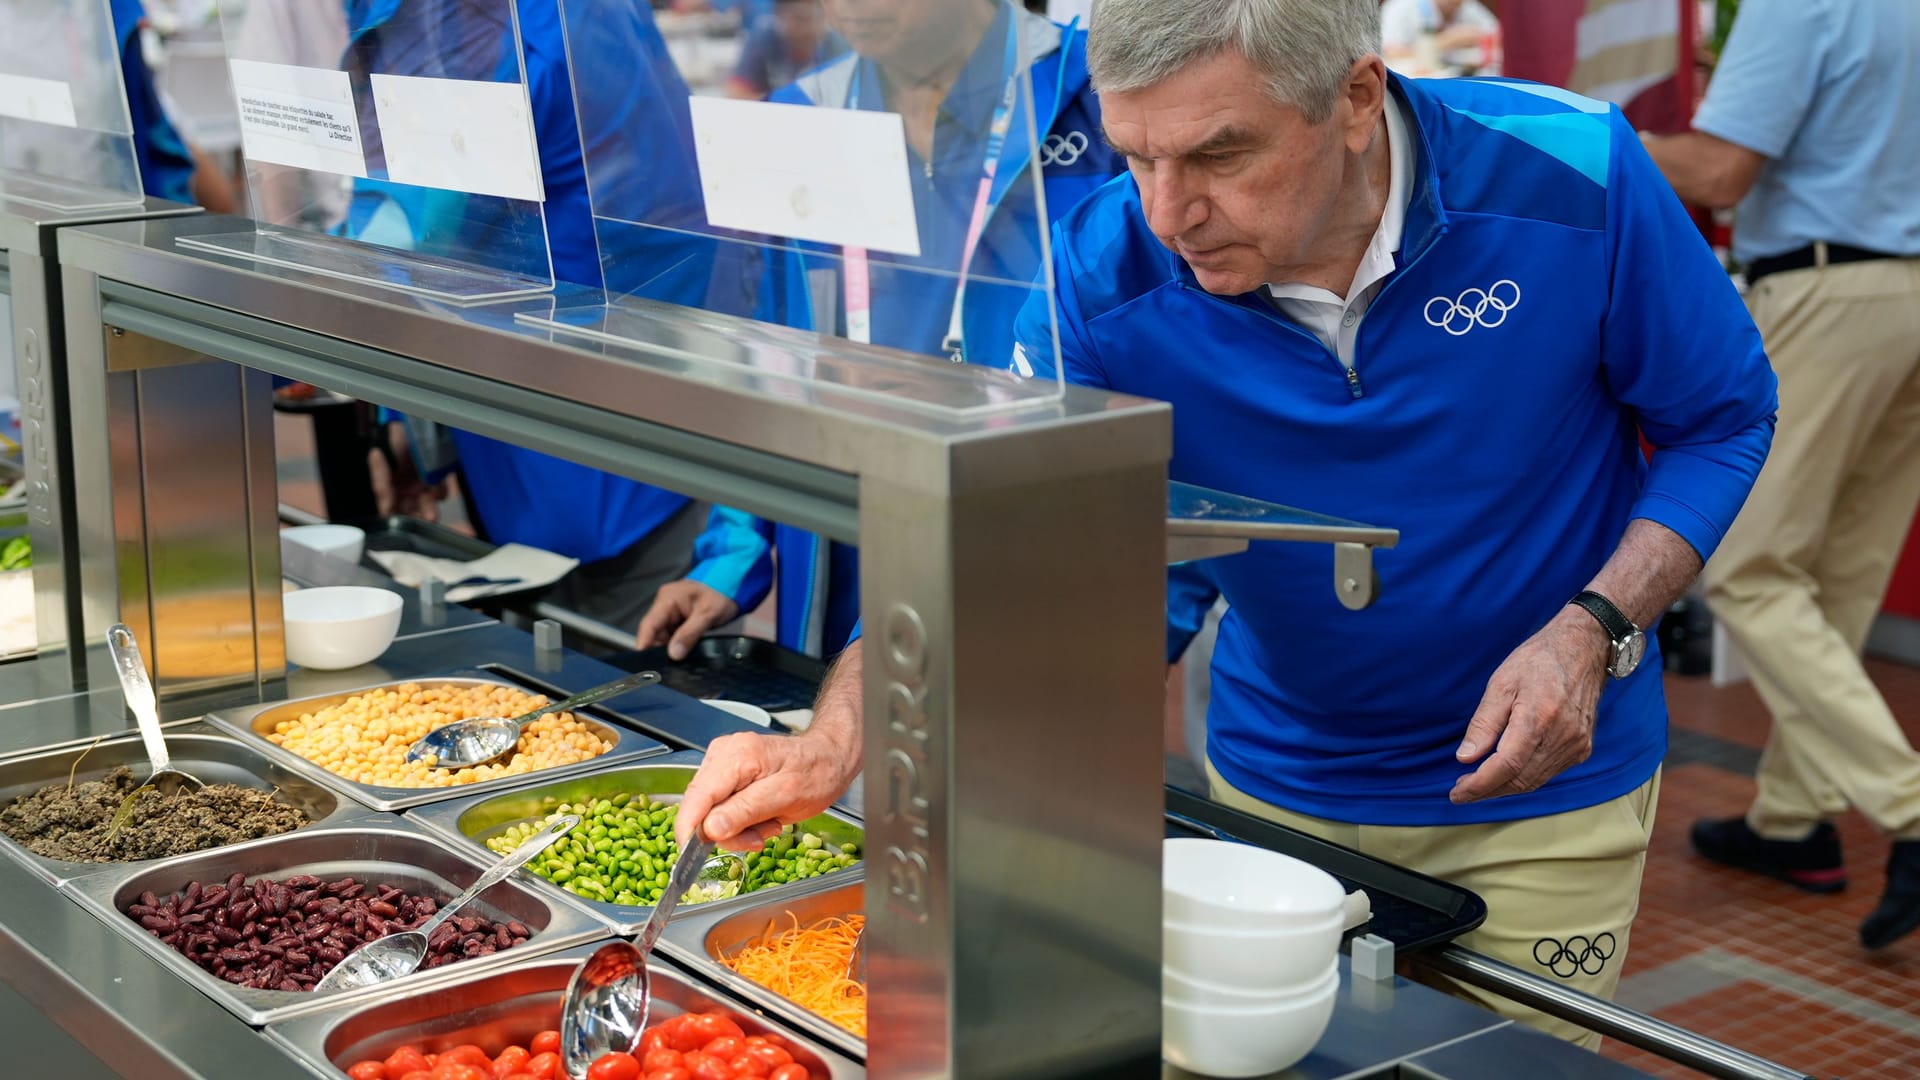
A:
(780, 48)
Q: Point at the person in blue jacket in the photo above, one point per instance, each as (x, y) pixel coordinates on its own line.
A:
(1451, 307)
(629, 537)
(945, 67)
(166, 164)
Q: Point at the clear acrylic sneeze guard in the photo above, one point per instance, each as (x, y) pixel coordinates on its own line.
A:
(66, 142)
(390, 142)
(825, 222)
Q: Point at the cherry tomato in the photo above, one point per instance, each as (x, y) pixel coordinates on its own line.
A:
(656, 1038)
(771, 1056)
(664, 1057)
(467, 1054)
(418, 1074)
(547, 1042)
(706, 1027)
(747, 1065)
(368, 1070)
(405, 1060)
(511, 1060)
(615, 1066)
(455, 1070)
(726, 1046)
(546, 1066)
(670, 1074)
(687, 1038)
(707, 1067)
(520, 1076)
(790, 1071)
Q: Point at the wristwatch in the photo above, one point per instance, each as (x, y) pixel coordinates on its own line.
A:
(1629, 643)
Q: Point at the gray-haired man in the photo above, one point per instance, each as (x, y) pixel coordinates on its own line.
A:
(1450, 307)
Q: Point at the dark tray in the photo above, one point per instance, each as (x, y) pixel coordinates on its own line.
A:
(1411, 910)
(427, 538)
(751, 670)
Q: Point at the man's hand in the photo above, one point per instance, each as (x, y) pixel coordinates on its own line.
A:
(751, 785)
(1539, 709)
(682, 612)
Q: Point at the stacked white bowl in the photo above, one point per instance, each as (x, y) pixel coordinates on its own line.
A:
(1251, 944)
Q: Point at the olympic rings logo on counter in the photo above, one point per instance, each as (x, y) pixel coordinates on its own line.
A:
(1580, 955)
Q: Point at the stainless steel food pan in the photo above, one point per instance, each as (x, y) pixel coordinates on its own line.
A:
(254, 723)
(474, 819)
(701, 938)
(199, 749)
(497, 1009)
(391, 853)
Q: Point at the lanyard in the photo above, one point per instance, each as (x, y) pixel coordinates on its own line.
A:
(858, 269)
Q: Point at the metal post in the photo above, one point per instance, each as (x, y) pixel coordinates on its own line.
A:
(1014, 678)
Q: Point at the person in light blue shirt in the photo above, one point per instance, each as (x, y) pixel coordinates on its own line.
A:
(1811, 128)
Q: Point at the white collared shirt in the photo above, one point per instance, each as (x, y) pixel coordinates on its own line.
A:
(1331, 318)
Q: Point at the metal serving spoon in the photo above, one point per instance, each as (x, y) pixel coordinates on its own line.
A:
(607, 1001)
(139, 694)
(400, 954)
(465, 743)
(857, 962)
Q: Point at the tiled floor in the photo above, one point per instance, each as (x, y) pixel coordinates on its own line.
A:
(1754, 963)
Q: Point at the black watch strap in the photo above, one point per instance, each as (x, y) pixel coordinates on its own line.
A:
(1617, 625)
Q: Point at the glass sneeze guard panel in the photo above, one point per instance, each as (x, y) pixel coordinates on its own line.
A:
(398, 143)
(768, 165)
(66, 141)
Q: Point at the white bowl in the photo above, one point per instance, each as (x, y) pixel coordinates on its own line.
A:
(1215, 1041)
(1178, 986)
(1217, 883)
(752, 714)
(1244, 960)
(339, 541)
(340, 626)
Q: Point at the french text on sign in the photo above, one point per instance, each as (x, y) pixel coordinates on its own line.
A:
(298, 116)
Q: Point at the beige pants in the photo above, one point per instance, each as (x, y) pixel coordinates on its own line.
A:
(1561, 891)
(1802, 573)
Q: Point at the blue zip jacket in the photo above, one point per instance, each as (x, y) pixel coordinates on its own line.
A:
(1551, 302)
(736, 554)
(524, 496)
(166, 166)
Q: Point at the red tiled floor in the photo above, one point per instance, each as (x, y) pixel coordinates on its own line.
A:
(1688, 905)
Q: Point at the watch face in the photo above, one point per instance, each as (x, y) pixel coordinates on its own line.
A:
(1628, 654)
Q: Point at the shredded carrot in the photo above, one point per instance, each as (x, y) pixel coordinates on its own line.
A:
(808, 966)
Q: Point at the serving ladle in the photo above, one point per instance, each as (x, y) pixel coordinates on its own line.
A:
(400, 954)
(606, 1005)
(138, 691)
(466, 743)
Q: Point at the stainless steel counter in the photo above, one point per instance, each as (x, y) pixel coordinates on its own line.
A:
(139, 1018)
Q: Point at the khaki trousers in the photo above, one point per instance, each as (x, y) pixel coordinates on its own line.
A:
(1561, 891)
(1802, 573)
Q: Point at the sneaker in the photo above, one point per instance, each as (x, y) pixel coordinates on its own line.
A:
(1813, 864)
(1899, 911)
